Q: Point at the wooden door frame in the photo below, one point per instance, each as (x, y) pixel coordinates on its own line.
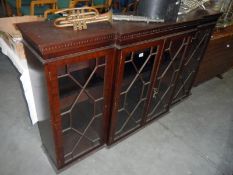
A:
(205, 41)
(185, 34)
(119, 72)
(53, 93)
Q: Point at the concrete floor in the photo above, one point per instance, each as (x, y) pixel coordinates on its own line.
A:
(195, 138)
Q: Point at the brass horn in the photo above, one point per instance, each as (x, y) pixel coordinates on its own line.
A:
(80, 17)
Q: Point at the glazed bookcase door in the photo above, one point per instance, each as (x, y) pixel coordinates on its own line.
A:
(134, 77)
(84, 85)
(197, 45)
(170, 64)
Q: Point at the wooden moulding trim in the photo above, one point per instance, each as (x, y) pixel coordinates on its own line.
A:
(90, 50)
(113, 38)
(116, 38)
(71, 44)
(156, 31)
(116, 46)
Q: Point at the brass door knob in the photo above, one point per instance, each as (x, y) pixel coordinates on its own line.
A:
(155, 90)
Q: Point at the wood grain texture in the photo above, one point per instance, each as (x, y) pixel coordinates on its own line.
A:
(53, 49)
(49, 41)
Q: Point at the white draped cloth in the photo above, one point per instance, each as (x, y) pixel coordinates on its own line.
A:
(21, 66)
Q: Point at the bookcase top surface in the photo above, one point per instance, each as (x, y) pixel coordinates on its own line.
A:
(49, 41)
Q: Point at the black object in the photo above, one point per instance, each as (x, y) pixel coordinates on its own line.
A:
(159, 9)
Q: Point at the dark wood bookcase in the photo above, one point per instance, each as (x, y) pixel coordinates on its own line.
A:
(94, 87)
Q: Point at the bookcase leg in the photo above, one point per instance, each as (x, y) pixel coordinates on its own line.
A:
(219, 76)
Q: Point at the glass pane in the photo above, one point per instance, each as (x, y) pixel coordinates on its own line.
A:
(136, 80)
(82, 113)
(66, 119)
(99, 107)
(122, 99)
(68, 91)
(82, 71)
(133, 95)
(167, 74)
(81, 87)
